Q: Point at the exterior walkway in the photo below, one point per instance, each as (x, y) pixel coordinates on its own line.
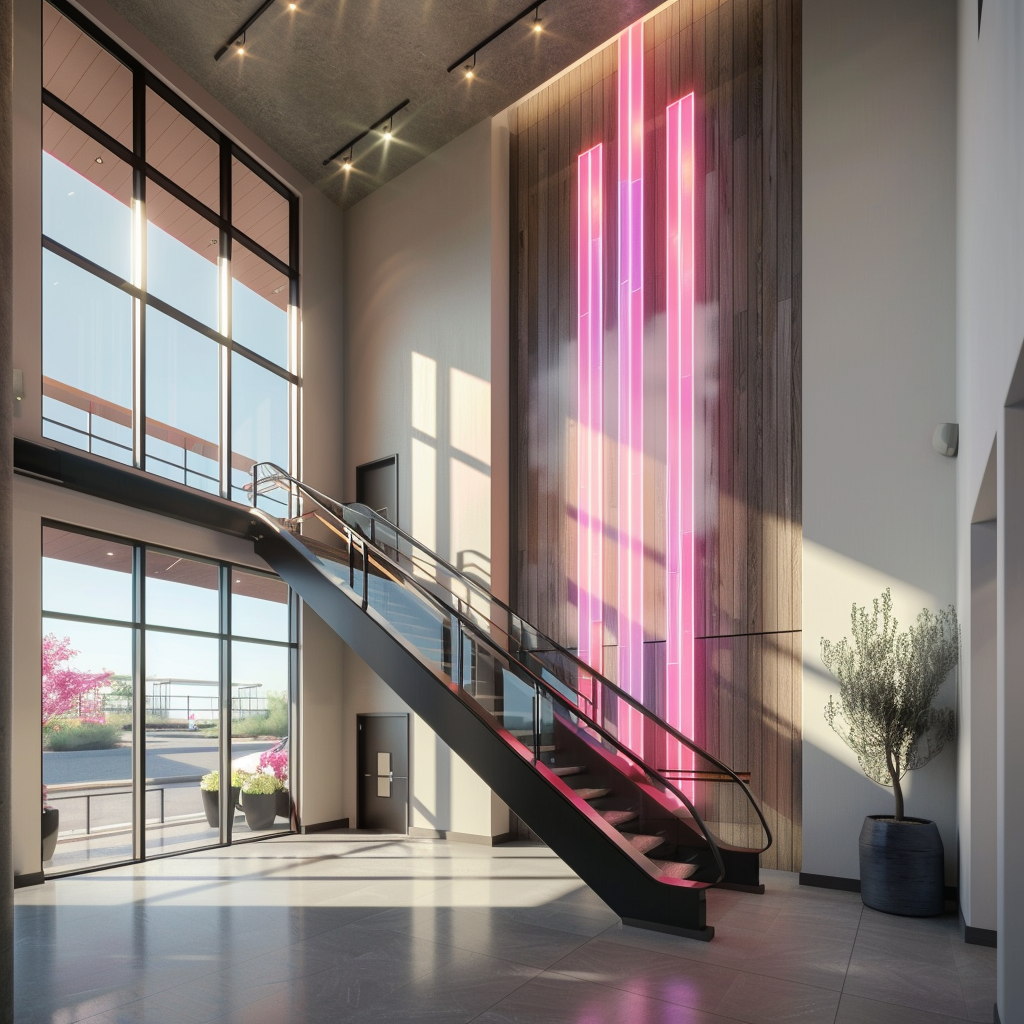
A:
(345, 927)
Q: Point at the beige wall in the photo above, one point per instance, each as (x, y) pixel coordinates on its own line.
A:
(879, 372)
(426, 280)
(319, 725)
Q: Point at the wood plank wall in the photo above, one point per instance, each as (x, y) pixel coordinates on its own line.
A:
(742, 58)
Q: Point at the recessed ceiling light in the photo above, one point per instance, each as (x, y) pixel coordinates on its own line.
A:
(71, 193)
(291, 7)
(110, 554)
(99, 159)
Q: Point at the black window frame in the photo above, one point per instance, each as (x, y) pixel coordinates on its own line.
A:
(142, 79)
(224, 636)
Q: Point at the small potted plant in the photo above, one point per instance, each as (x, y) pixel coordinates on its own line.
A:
(209, 785)
(888, 682)
(259, 800)
(276, 762)
(51, 828)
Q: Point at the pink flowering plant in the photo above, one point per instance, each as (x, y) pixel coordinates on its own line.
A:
(275, 762)
(69, 691)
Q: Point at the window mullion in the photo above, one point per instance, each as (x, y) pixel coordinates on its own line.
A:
(139, 274)
(227, 812)
(224, 267)
(139, 704)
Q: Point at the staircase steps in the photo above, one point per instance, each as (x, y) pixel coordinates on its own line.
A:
(591, 792)
(618, 818)
(575, 769)
(675, 868)
(644, 844)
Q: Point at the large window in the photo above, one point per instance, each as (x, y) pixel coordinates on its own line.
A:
(158, 669)
(170, 275)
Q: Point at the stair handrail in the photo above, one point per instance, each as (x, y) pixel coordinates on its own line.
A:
(537, 682)
(333, 506)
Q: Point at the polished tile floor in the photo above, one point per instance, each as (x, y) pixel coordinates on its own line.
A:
(339, 927)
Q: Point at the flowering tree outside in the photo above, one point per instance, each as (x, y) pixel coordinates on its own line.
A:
(67, 689)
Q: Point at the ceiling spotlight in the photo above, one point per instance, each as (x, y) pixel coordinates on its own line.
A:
(292, 7)
(470, 67)
(110, 554)
(241, 51)
(99, 159)
(537, 27)
(384, 124)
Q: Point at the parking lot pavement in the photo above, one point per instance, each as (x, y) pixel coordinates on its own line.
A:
(167, 755)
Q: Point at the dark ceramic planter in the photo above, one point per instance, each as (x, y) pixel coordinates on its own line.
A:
(260, 810)
(901, 866)
(284, 805)
(51, 829)
(210, 802)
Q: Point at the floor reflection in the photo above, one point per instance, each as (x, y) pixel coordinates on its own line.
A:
(378, 928)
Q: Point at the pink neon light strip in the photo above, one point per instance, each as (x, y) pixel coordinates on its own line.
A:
(630, 369)
(590, 489)
(679, 551)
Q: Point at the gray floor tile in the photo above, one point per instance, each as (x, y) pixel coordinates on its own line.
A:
(858, 1010)
(325, 929)
(756, 999)
(656, 975)
(559, 999)
(906, 982)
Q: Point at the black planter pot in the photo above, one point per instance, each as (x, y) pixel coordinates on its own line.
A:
(51, 829)
(901, 866)
(284, 804)
(210, 802)
(260, 810)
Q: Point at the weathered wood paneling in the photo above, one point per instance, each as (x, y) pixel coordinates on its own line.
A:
(742, 58)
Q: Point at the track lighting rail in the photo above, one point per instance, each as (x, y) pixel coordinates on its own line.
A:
(473, 51)
(248, 24)
(350, 145)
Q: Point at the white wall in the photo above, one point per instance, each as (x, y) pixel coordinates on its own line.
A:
(879, 316)
(990, 326)
(426, 281)
(320, 797)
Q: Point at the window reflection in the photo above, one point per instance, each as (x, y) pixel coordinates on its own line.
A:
(182, 403)
(86, 205)
(259, 210)
(259, 424)
(87, 361)
(87, 77)
(185, 153)
(259, 306)
(182, 256)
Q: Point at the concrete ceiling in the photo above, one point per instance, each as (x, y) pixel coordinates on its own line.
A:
(313, 78)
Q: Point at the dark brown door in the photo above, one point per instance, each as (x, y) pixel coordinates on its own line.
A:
(383, 758)
(377, 486)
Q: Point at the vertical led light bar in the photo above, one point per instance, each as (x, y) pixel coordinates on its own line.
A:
(679, 548)
(590, 425)
(630, 369)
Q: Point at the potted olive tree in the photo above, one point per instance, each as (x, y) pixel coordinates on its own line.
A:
(888, 682)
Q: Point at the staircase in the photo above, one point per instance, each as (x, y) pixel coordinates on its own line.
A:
(640, 812)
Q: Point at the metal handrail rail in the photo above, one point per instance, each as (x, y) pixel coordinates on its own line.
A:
(337, 508)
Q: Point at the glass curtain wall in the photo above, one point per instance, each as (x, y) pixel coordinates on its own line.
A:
(170, 275)
(148, 655)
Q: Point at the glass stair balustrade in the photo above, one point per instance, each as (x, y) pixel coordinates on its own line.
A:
(643, 815)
